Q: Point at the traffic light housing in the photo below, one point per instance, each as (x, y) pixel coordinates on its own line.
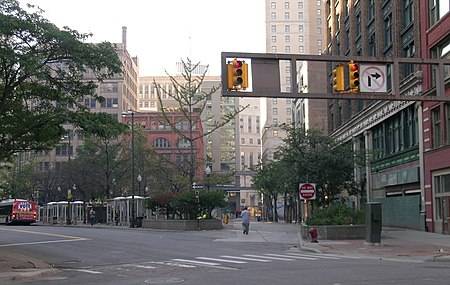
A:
(353, 75)
(237, 75)
(338, 78)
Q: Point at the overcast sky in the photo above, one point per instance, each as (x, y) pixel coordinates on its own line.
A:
(161, 32)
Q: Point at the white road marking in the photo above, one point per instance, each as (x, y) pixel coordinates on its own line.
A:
(197, 262)
(221, 260)
(314, 255)
(268, 257)
(172, 264)
(140, 266)
(292, 256)
(246, 258)
(87, 271)
(43, 242)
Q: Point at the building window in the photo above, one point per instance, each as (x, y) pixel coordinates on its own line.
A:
(301, 49)
(287, 28)
(273, 5)
(286, 15)
(371, 9)
(300, 39)
(183, 143)
(447, 123)
(358, 25)
(274, 29)
(408, 12)
(288, 111)
(242, 140)
(409, 51)
(161, 143)
(437, 9)
(275, 111)
(372, 45)
(442, 50)
(273, 15)
(319, 43)
(300, 28)
(287, 49)
(274, 39)
(436, 127)
(274, 49)
(319, 12)
(319, 31)
(287, 39)
(300, 5)
(388, 30)
(274, 101)
(319, 2)
(286, 5)
(319, 21)
(275, 121)
(250, 141)
(441, 189)
(300, 15)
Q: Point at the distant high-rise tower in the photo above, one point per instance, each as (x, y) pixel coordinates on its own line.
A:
(295, 27)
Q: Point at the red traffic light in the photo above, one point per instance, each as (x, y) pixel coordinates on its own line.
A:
(354, 67)
(237, 63)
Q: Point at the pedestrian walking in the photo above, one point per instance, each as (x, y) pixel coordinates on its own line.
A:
(246, 215)
(92, 216)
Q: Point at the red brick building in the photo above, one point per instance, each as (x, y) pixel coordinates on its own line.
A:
(435, 23)
(168, 143)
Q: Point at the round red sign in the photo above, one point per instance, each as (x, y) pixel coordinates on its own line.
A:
(307, 190)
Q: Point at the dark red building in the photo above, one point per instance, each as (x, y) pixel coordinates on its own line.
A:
(435, 23)
(173, 145)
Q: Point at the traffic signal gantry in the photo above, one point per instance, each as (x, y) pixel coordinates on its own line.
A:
(237, 75)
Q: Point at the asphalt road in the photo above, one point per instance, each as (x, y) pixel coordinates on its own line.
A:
(130, 256)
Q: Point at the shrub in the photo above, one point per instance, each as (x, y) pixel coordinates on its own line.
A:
(336, 214)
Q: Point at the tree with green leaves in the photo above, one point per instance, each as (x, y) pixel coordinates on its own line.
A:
(308, 156)
(191, 100)
(320, 159)
(43, 80)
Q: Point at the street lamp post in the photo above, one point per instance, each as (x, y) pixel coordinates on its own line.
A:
(139, 179)
(208, 173)
(133, 214)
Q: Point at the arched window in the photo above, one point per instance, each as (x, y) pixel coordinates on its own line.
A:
(183, 143)
(161, 143)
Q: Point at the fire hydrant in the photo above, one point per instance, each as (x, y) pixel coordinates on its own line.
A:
(313, 234)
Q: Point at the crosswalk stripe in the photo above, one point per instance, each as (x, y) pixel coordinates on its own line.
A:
(197, 262)
(221, 260)
(292, 256)
(312, 255)
(246, 258)
(176, 264)
(268, 257)
(87, 271)
(142, 266)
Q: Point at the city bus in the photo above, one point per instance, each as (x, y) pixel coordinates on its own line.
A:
(17, 211)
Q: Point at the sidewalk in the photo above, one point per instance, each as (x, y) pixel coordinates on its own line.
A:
(395, 244)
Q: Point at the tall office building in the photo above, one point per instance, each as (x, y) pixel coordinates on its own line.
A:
(295, 27)
(120, 93)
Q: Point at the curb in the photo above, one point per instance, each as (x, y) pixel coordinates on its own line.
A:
(22, 274)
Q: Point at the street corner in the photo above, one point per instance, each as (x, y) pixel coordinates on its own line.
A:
(440, 255)
(26, 274)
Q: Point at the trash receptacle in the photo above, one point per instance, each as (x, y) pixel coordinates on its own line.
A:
(139, 222)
